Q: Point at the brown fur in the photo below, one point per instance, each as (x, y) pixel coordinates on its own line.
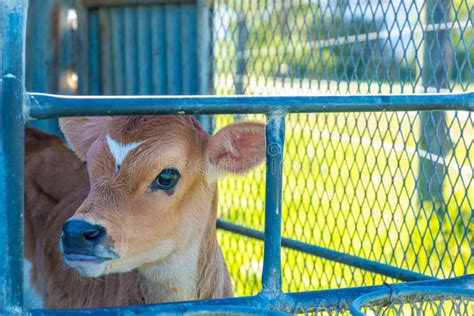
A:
(56, 183)
(140, 224)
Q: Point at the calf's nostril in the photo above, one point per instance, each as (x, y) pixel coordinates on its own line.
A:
(93, 233)
(80, 233)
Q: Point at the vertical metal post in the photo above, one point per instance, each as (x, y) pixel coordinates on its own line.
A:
(241, 59)
(242, 36)
(434, 138)
(204, 55)
(44, 60)
(203, 49)
(275, 133)
(12, 38)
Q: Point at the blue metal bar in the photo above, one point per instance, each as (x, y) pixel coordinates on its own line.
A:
(12, 54)
(118, 50)
(158, 44)
(82, 54)
(173, 49)
(204, 55)
(434, 135)
(337, 256)
(43, 72)
(203, 48)
(169, 309)
(388, 294)
(37, 53)
(144, 50)
(94, 75)
(241, 60)
(48, 105)
(131, 62)
(275, 135)
(298, 302)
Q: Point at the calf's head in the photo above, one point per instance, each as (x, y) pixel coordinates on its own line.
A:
(152, 185)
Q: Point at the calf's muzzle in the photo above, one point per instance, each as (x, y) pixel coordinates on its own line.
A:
(82, 241)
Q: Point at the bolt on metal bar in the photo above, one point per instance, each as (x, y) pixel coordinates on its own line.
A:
(275, 133)
(333, 255)
(12, 34)
(43, 106)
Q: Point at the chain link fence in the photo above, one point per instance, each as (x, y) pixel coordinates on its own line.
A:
(395, 188)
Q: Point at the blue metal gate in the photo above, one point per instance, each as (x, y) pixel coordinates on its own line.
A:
(19, 106)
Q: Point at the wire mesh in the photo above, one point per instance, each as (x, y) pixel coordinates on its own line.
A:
(421, 301)
(430, 306)
(395, 187)
(417, 305)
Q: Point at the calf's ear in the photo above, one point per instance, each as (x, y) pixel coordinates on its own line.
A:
(237, 148)
(82, 132)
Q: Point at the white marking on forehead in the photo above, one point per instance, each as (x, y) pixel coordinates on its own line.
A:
(120, 151)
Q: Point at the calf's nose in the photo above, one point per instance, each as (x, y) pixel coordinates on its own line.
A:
(80, 234)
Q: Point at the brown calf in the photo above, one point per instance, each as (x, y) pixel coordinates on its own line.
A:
(138, 226)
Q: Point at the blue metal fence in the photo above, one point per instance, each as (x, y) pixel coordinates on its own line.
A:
(271, 296)
(19, 106)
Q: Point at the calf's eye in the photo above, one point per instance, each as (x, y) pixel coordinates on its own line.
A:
(166, 180)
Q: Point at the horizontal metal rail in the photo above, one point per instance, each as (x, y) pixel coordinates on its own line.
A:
(42, 106)
(297, 302)
(333, 255)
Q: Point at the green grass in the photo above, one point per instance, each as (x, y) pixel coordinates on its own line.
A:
(348, 188)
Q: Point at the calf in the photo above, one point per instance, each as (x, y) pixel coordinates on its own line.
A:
(138, 226)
